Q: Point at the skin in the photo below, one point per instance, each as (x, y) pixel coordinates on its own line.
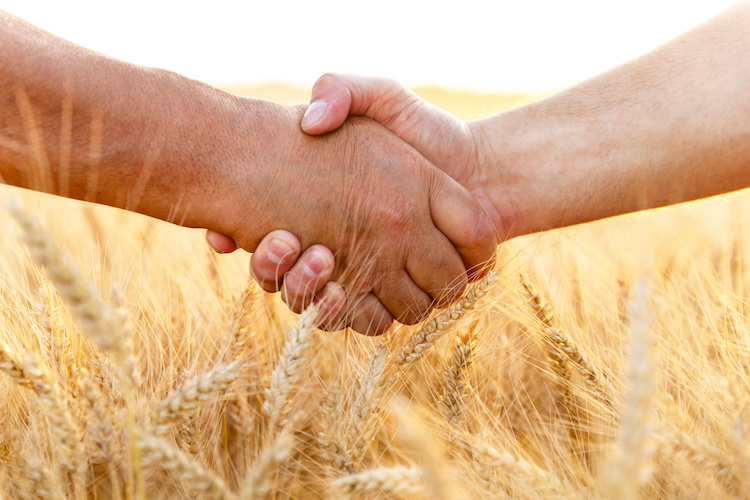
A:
(79, 124)
(670, 126)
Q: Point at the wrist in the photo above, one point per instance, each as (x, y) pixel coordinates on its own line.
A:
(210, 154)
(535, 161)
(254, 163)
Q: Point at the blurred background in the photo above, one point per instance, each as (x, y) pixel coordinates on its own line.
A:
(489, 46)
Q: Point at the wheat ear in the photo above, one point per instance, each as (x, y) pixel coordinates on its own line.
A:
(454, 384)
(61, 421)
(563, 349)
(46, 485)
(288, 371)
(330, 438)
(13, 366)
(260, 480)
(365, 411)
(102, 431)
(158, 451)
(531, 475)
(98, 321)
(419, 343)
(386, 481)
(183, 402)
(242, 324)
(694, 450)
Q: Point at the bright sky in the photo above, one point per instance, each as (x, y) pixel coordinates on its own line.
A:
(534, 45)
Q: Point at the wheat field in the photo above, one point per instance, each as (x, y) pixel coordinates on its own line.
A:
(608, 360)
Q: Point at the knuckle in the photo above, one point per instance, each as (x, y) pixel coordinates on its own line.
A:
(380, 327)
(291, 301)
(268, 286)
(452, 292)
(480, 233)
(413, 317)
(327, 79)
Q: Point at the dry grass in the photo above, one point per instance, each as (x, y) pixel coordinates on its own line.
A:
(144, 366)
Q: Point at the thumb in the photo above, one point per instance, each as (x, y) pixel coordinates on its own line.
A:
(336, 96)
(436, 134)
(458, 215)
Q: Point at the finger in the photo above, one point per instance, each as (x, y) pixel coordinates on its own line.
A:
(331, 301)
(437, 269)
(368, 316)
(464, 222)
(275, 255)
(407, 302)
(309, 275)
(336, 96)
(220, 243)
(436, 134)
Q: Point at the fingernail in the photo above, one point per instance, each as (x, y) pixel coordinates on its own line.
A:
(314, 113)
(315, 264)
(278, 249)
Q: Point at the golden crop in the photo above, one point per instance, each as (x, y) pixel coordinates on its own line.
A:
(603, 361)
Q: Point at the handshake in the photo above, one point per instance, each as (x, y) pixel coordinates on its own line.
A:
(409, 213)
(382, 206)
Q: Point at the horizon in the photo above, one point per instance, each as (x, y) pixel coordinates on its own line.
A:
(504, 46)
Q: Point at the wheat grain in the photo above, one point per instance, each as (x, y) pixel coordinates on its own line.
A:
(631, 465)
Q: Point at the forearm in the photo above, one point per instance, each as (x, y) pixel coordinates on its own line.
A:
(670, 126)
(80, 124)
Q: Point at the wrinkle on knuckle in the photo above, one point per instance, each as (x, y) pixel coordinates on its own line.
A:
(480, 233)
(327, 79)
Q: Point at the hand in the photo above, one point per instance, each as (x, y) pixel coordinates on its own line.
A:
(449, 143)
(403, 231)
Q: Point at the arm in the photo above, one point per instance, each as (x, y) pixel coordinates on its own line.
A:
(670, 126)
(80, 124)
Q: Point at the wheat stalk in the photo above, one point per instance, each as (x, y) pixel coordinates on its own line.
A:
(631, 465)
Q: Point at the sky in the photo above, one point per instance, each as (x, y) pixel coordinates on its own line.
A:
(501, 45)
